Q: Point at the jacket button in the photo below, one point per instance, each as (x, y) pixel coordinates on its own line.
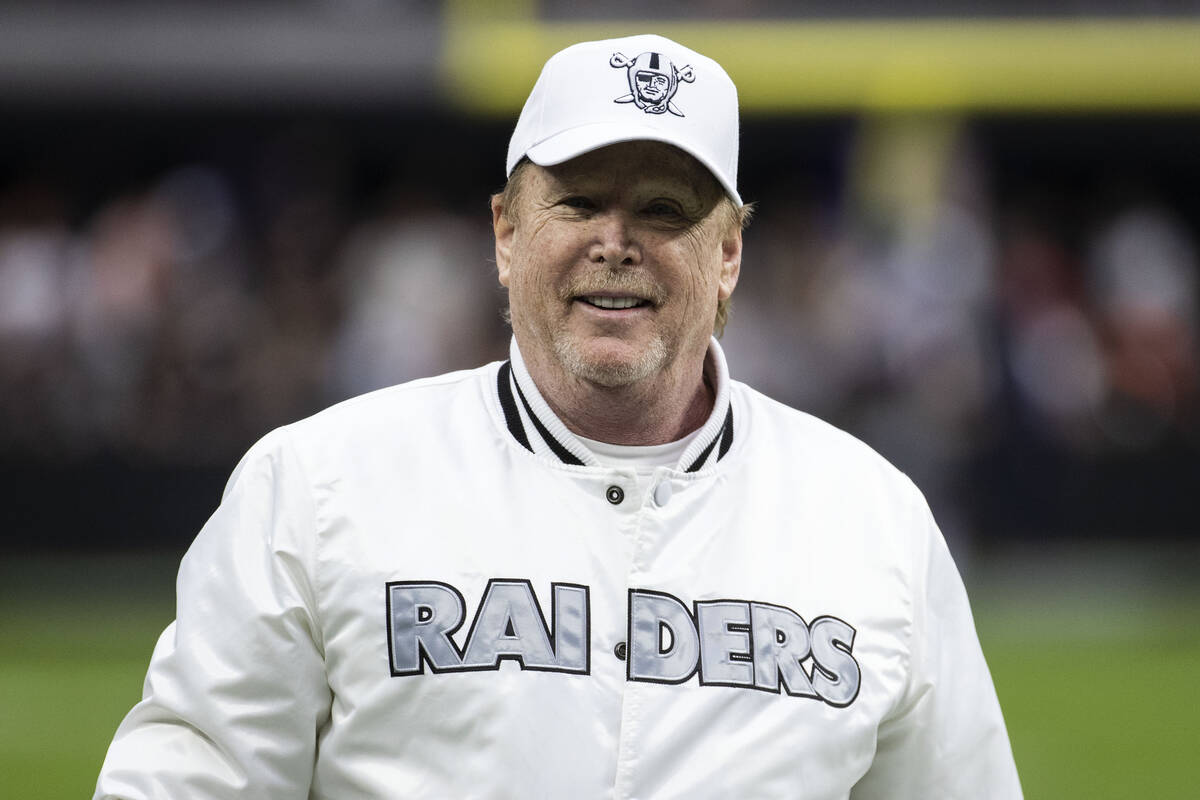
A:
(662, 493)
(615, 495)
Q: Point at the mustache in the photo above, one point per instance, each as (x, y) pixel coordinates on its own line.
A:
(611, 281)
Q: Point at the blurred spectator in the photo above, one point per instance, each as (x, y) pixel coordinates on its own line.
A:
(123, 279)
(1053, 354)
(190, 402)
(1143, 286)
(36, 250)
(419, 294)
(1012, 366)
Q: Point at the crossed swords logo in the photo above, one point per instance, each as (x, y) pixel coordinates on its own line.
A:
(653, 81)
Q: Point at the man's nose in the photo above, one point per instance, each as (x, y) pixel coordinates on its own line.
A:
(614, 240)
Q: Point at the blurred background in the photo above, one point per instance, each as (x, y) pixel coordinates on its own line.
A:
(977, 248)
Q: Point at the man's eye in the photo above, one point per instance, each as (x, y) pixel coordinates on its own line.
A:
(578, 201)
(661, 208)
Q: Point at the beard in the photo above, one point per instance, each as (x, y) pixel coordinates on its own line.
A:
(611, 372)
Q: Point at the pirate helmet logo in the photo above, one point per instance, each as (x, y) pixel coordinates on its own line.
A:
(653, 81)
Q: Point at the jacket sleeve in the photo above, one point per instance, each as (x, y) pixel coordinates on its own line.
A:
(946, 737)
(236, 691)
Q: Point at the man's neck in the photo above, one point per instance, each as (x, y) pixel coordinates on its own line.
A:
(660, 409)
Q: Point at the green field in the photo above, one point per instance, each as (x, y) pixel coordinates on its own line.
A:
(1096, 659)
(1097, 663)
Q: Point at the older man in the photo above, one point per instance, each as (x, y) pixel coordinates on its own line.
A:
(598, 569)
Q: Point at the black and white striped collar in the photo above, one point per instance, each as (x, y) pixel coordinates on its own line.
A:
(536, 428)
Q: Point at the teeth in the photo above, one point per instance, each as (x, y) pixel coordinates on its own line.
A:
(613, 302)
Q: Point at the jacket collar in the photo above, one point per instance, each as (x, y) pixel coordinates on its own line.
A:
(536, 428)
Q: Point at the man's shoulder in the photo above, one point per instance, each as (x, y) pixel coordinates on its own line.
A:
(415, 401)
(394, 418)
(803, 440)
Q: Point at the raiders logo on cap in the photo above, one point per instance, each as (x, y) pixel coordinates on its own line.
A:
(653, 81)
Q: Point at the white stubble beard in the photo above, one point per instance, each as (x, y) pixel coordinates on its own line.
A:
(649, 361)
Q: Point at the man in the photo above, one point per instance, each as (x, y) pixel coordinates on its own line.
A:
(599, 569)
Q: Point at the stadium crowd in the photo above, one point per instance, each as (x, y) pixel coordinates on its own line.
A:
(984, 345)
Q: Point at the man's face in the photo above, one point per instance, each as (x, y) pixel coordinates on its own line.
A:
(652, 86)
(616, 261)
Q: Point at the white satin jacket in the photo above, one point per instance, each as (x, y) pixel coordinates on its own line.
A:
(435, 591)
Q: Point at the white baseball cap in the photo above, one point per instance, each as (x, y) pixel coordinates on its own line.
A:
(595, 94)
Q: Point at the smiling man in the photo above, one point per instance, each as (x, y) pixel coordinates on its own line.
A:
(599, 569)
(616, 262)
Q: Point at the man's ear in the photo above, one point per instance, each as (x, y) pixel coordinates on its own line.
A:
(731, 263)
(503, 228)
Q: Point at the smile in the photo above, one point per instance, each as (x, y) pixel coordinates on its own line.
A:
(614, 302)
